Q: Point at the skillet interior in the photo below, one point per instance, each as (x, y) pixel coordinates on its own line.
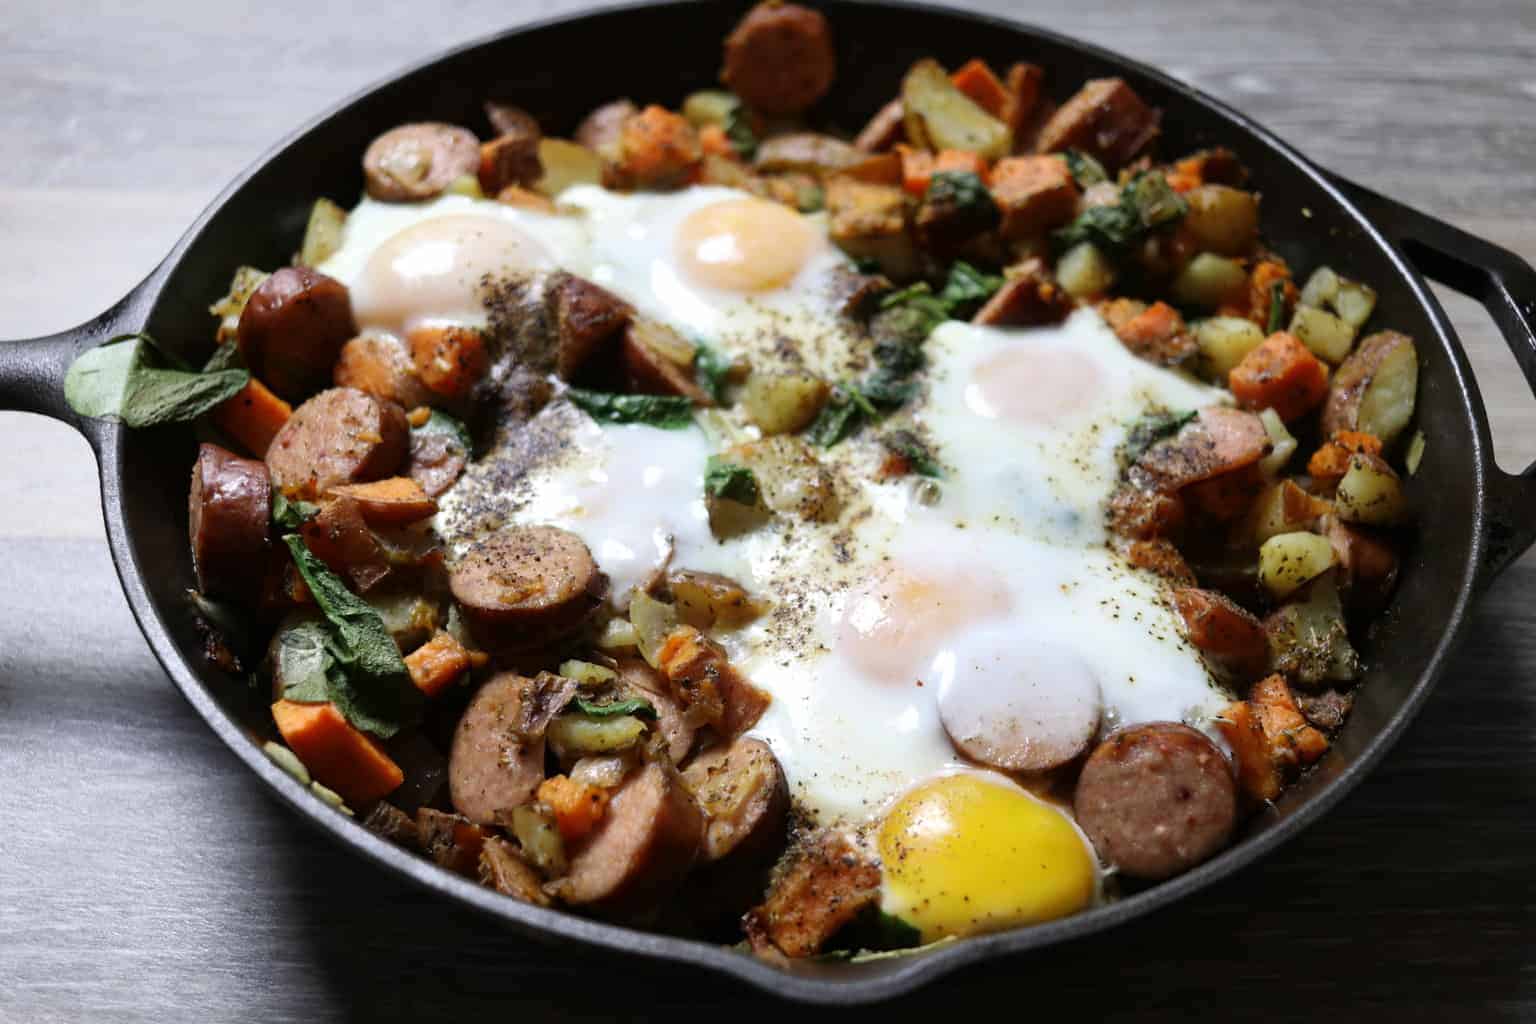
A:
(261, 218)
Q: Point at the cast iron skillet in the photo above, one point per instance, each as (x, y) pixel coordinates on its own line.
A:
(1473, 518)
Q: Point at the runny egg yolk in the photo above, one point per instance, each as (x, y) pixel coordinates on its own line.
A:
(895, 626)
(432, 272)
(744, 245)
(963, 855)
(1032, 385)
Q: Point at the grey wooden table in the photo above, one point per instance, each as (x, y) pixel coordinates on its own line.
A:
(143, 875)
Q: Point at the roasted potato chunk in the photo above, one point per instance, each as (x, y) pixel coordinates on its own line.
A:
(806, 152)
(1210, 281)
(782, 403)
(870, 222)
(1283, 508)
(1289, 561)
(1224, 341)
(565, 164)
(1370, 493)
(1222, 220)
(939, 116)
(1328, 336)
(792, 479)
(1374, 390)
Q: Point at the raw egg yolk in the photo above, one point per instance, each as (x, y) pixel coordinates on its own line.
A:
(744, 245)
(432, 272)
(963, 855)
(895, 626)
(1031, 386)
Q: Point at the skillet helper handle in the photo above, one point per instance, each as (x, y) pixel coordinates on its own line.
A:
(32, 374)
(1506, 286)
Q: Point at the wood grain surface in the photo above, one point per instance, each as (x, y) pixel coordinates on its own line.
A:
(145, 876)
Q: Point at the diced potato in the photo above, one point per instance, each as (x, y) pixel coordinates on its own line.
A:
(1374, 390)
(782, 403)
(653, 620)
(870, 222)
(1222, 219)
(939, 116)
(565, 164)
(1320, 288)
(229, 308)
(536, 833)
(1328, 337)
(323, 235)
(1210, 280)
(587, 673)
(1308, 639)
(575, 735)
(1283, 508)
(617, 635)
(1370, 492)
(706, 600)
(1084, 272)
(465, 185)
(1282, 444)
(709, 106)
(1415, 453)
(409, 617)
(1224, 341)
(790, 476)
(1355, 302)
(1290, 560)
(807, 152)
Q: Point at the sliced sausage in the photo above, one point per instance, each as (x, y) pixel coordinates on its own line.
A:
(651, 372)
(779, 58)
(741, 789)
(450, 840)
(511, 159)
(884, 130)
(340, 436)
(1035, 715)
(1219, 441)
(829, 882)
(418, 161)
(646, 843)
(586, 317)
(436, 461)
(503, 870)
(339, 536)
(510, 119)
(1105, 119)
(1144, 515)
(670, 720)
(1156, 799)
(292, 329)
(526, 585)
(381, 367)
(601, 130)
(228, 510)
(497, 759)
(1027, 299)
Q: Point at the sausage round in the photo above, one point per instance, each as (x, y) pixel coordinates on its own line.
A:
(1156, 799)
(1032, 716)
(673, 725)
(227, 513)
(436, 462)
(292, 329)
(418, 161)
(741, 789)
(526, 585)
(341, 436)
(779, 58)
(494, 764)
(646, 843)
(382, 367)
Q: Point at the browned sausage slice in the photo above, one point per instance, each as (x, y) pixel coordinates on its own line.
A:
(670, 719)
(1106, 119)
(648, 840)
(382, 367)
(418, 161)
(601, 130)
(586, 316)
(1033, 716)
(745, 800)
(1156, 799)
(292, 329)
(436, 462)
(829, 881)
(779, 58)
(227, 513)
(526, 585)
(497, 759)
(510, 119)
(341, 436)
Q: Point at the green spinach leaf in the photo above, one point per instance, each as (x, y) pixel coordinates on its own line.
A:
(839, 418)
(291, 514)
(119, 380)
(1149, 430)
(615, 708)
(724, 479)
(1276, 307)
(225, 357)
(664, 411)
(1085, 169)
(967, 289)
(738, 129)
(711, 369)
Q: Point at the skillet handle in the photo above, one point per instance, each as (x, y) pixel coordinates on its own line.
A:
(32, 371)
(1506, 286)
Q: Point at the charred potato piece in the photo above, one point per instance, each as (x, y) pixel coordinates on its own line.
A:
(1308, 639)
(1283, 508)
(1370, 493)
(792, 479)
(1222, 219)
(807, 152)
(322, 236)
(1289, 561)
(1328, 336)
(939, 116)
(870, 222)
(1375, 388)
(782, 403)
(1210, 281)
(706, 600)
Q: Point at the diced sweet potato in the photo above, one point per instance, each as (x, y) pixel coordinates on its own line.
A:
(1161, 557)
(918, 166)
(449, 360)
(1258, 772)
(253, 416)
(1331, 460)
(336, 753)
(978, 82)
(577, 806)
(711, 690)
(1033, 193)
(438, 663)
(389, 502)
(658, 150)
(1282, 374)
(1158, 334)
(1229, 636)
(1291, 738)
